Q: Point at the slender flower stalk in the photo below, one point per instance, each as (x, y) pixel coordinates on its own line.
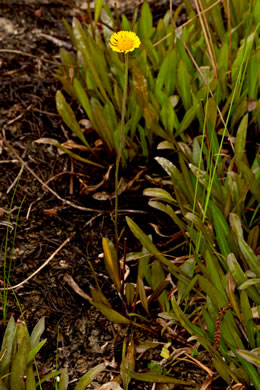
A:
(121, 146)
(122, 42)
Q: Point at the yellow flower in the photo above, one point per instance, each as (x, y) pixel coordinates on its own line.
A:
(124, 41)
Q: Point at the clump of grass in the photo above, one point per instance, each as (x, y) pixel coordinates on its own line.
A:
(194, 89)
(169, 77)
(204, 102)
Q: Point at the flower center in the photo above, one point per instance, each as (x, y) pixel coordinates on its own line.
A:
(125, 44)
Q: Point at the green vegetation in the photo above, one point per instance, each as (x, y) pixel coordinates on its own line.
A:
(18, 359)
(192, 90)
(170, 77)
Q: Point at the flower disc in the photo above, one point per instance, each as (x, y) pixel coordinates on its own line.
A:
(124, 41)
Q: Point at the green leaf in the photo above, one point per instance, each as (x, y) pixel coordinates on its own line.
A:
(144, 145)
(69, 31)
(221, 228)
(249, 282)
(216, 19)
(169, 118)
(240, 277)
(240, 140)
(201, 227)
(250, 179)
(218, 299)
(37, 332)
(145, 24)
(196, 153)
(52, 374)
(253, 237)
(83, 46)
(184, 321)
(184, 83)
(250, 356)
(142, 293)
(35, 350)
(221, 368)
(151, 248)
(83, 98)
(130, 293)
(30, 379)
(7, 346)
(69, 117)
(158, 280)
(101, 124)
(68, 87)
(167, 74)
(215, 271)
(151, 51)
(248, 318)
(98, 8)
(154, 377)
(243, 54)
(204, 179)
(152, 119)
(168, 210)
(126, 25)
(182, 52)
(159, 193)
(248, 253)
(67, 59)
(128, 364)
(89, 377)
(64, 380)
(18, 369)
(110, 115)
(96, 56)
(111, 262)
(183, 290)
(252, 80)
(176, 176)
(76, 156)
(98, 296)
(111, 314)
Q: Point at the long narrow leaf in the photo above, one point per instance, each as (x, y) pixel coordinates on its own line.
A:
(89, 377)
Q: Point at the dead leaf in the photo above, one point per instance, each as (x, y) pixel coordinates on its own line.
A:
(88, 189)
(201, 365)
(103, 195)
(51, 212)
(207, 384)
(251, 105)
(237, 386)
(73, 145)
(71, 282)
(38, 12)
(86, 124)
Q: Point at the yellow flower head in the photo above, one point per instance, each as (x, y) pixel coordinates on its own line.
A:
(124, 41)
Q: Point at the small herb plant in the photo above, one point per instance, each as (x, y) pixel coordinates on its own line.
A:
(170, 75)
(195, 90)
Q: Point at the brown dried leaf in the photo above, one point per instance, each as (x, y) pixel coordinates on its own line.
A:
(51, 212)
(251, 105)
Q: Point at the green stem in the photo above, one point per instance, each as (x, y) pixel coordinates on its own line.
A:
(120, 151)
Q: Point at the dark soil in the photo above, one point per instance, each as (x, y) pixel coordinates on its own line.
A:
(75, 330)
